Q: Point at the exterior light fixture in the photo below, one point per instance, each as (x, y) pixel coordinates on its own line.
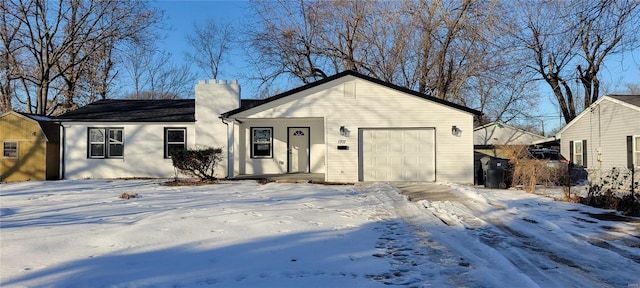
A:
(455, 131)
(343, 131)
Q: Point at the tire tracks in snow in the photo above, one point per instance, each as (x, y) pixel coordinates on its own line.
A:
(529, 254)
(415, 257)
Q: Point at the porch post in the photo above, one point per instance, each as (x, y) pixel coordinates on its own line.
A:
(230, 144)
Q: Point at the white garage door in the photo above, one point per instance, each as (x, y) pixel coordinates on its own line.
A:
(406, 154)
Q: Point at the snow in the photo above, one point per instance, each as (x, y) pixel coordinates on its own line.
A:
(245, 234)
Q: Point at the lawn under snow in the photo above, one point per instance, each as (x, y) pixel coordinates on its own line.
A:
(244, 234)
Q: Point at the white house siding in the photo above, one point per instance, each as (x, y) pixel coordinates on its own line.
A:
(213, 98)
(605, 126)
(143, 151)
(356, 103)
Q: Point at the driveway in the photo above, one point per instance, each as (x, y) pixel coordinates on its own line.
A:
(416, 191)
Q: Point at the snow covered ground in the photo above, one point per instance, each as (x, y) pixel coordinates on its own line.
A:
(244, 234)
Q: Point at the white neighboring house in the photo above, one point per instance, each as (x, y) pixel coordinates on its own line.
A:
(489, 139)
(349, 127)
(498, 133)
(605, 135)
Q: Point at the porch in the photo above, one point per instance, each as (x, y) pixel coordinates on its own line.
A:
(290, 177)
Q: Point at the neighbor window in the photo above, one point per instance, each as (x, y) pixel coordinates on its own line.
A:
(10, 150)
(174, 139)
(261, 142)
(106, 143)
(577, 153)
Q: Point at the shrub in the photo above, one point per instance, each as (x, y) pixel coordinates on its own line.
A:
(529, 173)
(199, 162)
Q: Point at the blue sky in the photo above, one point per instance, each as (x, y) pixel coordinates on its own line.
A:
(182, 14)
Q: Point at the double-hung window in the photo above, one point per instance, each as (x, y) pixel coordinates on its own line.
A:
(106, 143)
(174, 139)
(10, 150)
(261, 142)
(578, 153)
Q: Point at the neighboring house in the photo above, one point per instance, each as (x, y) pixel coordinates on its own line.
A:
(489, 138)
(349, 127)
(605, 135)
(30, 147)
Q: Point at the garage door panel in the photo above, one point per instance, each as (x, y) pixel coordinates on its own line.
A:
(397, 154)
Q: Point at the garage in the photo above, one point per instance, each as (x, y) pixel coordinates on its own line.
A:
(397, 154)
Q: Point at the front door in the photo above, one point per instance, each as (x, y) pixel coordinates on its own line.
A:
(298, 150)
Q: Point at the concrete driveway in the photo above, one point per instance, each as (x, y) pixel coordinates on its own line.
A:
(416, 191)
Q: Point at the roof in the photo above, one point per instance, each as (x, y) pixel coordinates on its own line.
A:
(631, 101)
(498, 133)
(47, 125)
(110, 110)
(343, 74)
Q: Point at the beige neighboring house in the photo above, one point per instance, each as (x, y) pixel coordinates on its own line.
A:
(488, 138)
(605, 135)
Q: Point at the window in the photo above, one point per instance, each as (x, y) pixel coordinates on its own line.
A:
(106, 143)
(174, 139)
(577, 153)
(10, 150)
(261, 142)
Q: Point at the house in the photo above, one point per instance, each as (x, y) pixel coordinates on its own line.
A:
(353, 128)
(30, 147)
(605, 135)
(488, 139)
(347, 127)
(132, 138)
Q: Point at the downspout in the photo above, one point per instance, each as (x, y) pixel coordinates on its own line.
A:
(230, 144)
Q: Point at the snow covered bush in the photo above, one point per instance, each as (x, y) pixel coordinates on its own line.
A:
(199, 162)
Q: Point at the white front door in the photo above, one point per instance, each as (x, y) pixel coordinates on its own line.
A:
(298, 150)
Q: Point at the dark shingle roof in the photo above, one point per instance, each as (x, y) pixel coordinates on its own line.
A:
(356, 74)
(110, 110)
(631, 99)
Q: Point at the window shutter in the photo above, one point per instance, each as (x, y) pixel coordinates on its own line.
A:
(630, 152)
(571, 151)
(584, 153)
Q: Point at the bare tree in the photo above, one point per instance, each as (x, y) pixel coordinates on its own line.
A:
(154, 76)
(285, 41)
(453, 50)
(8, 32)
(56, 40)
(569, 41)
(210, 42)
